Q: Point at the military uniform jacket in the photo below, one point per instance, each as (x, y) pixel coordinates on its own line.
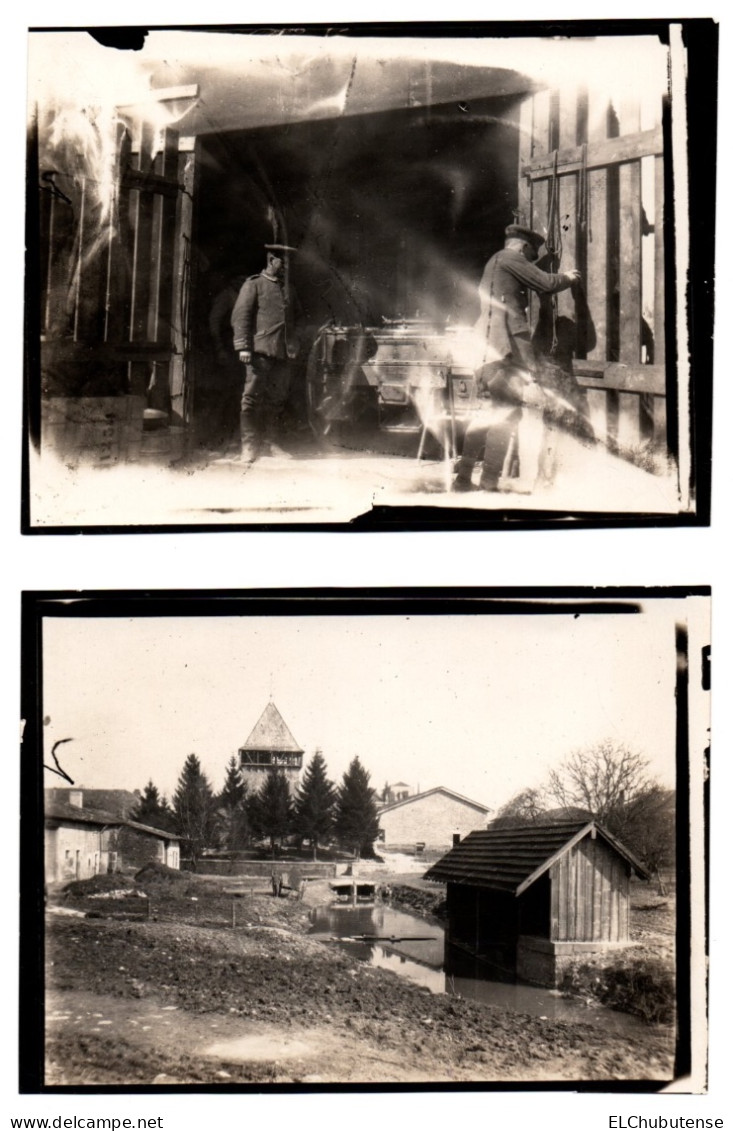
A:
(261, 318)
(504, 293)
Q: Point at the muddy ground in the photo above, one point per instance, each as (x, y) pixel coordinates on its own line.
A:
(196, 986)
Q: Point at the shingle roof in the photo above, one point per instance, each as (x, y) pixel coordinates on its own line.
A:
(510, 859)
(271, 733)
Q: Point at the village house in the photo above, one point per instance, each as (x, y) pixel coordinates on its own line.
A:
(81, 842)
(528, 899)
(433, 819)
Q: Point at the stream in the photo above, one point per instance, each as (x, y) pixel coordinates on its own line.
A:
(414, 948)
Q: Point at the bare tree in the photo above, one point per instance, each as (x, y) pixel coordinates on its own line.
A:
(603, 779)
(612, 783)
(527, 807)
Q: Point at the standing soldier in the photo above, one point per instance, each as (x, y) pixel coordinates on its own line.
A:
(264, 338)
(506, 380)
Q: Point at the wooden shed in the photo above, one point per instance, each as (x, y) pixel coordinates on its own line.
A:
(527, 899)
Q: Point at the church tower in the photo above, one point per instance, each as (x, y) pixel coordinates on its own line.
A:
(270, 746)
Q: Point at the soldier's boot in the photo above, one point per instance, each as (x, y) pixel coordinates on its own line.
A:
(250, 434)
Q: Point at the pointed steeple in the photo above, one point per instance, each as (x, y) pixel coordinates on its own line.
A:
(270, 746)
(270, 732)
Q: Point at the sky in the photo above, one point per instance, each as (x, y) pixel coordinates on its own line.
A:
(485, 705)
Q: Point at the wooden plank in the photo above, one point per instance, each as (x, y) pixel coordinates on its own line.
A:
(583, 873)
(164, 245)
(623, 923)
(142, 225)
(570, 895)
(93, 246)
(629, 421)
(539, 193)
(596, 272)
(659, 421)
(149, 182)
(598, 413)
(659, 320)
(555, 900)
(600, 154)
(630, 264)
(638, 378)
(58, 272)
(77, 265)
(590, 865)
(562, 897)
(117, 297)
(524, 189)
(179, 380)
(568, 198)
(540, 124)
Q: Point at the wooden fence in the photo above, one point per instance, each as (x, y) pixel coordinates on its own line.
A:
(113, 275)
(592, 177)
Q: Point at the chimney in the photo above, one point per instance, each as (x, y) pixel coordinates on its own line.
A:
(76, 798)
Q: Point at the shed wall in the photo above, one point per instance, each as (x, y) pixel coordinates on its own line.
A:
(138, 848)
(590, 895)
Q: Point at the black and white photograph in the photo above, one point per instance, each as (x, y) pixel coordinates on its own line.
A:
(314, 840)
(361, 276)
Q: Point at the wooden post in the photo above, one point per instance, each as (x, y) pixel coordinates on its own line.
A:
(567, 190)
(629, 422)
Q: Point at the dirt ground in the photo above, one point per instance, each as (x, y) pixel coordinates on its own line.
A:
(204, 988)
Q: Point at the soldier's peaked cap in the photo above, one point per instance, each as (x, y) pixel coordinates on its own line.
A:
(279, 247)
(518, 232)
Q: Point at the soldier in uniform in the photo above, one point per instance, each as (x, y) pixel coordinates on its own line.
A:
(264, 338)
(507, 378)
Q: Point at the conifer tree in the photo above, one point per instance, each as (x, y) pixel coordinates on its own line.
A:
(356, 822)
(315, 803)
(232, 808)
(194, 808)
(152, 809)
(271, 810)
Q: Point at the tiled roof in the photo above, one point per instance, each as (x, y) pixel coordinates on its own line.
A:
(510, 859)
(60, 812)
(428, 792)
(271, 733)
(119, 801)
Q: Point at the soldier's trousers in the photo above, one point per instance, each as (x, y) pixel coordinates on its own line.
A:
(488, 438)
(265, 392)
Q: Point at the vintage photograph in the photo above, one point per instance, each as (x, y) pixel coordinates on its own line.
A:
(303, 841)
(369, 275)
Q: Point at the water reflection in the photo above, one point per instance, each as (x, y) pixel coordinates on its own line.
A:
(416, 950)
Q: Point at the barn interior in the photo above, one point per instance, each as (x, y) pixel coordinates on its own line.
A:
(394, 214)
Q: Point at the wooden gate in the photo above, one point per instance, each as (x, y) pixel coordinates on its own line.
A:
(114, 281)
(592, 177)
